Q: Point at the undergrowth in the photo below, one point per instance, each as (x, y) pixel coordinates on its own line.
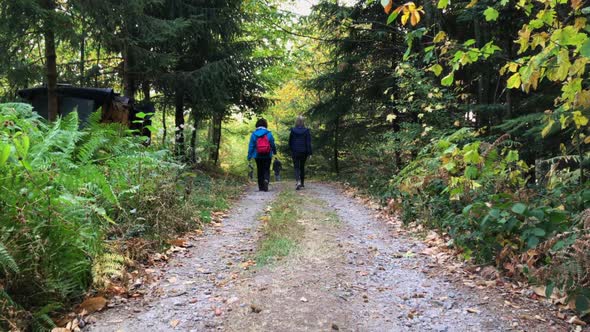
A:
(480, 195)
(78, 206)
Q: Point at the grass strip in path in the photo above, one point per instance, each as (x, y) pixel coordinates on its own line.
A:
(281, 230)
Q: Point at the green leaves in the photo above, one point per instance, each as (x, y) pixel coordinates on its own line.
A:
(519, 208)
(491, 14)
(392, 17)
(448, 80)
(4, 153)
(442, 4)
(436, 69)
(582, 304)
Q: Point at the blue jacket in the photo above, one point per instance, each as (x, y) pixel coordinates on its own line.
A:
(300, 141)
(252, 146)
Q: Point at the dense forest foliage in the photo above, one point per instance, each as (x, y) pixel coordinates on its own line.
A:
(466, 117)
(79, 206)
(470, 118)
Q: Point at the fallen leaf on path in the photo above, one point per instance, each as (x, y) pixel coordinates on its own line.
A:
(174, 322)
(472, 311)
(303, 299)
(218, 312)
(245, 265)
(576, 321)
(172, 280)
(177, 242)
(540, 290)
(93, 304)
(160, 257)
(60, 329)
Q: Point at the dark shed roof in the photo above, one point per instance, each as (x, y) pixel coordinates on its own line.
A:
(97, 94)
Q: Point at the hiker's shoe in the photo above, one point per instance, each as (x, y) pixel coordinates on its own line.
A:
(298, 186)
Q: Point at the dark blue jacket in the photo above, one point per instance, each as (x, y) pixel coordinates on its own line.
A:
(300, 141)
(252, 146)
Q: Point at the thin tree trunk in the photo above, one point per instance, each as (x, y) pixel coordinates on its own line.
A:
(83, 55)
(164, 128)
(179, 121)
(97, 66)
(215, 137)
(194, 139)
(128, 80)
(218, 121)
(145, 89)
(336, 143)
(51, 66)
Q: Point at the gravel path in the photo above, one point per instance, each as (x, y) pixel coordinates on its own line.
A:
(351, 272)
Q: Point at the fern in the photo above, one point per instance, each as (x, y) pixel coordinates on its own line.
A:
(106, 267)
(7, 261)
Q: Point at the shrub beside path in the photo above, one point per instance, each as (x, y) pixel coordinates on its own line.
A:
(349, 271)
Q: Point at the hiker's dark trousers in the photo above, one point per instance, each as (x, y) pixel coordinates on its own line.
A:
(299, 165)
(263, 169)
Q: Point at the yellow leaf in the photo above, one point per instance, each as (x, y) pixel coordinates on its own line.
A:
(534, 79)
(513, 67)
(415, 17)
(523, 38)
(578, 67)
(405, 17)
(471, 4)
(580, 23)
(580, 120)
(547, 128)
(439, 37)
(514, 81)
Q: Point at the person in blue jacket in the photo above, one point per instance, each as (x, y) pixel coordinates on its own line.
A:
(300, 145)
(261, 148)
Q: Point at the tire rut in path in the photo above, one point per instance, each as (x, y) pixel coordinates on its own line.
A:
(350, 275)
(191, 286)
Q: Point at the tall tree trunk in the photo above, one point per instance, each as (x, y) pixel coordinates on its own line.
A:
(51, 65)
(179, 121)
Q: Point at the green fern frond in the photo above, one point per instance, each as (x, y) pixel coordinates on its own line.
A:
(107, 266)
(7, 261)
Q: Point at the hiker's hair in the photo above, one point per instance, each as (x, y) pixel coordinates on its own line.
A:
(300, 122)
(262, 123)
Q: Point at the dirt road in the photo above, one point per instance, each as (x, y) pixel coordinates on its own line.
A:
(349, 272)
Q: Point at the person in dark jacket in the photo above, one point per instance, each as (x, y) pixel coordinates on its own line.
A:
(263, 161)
(277, 167)
(300, 145)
